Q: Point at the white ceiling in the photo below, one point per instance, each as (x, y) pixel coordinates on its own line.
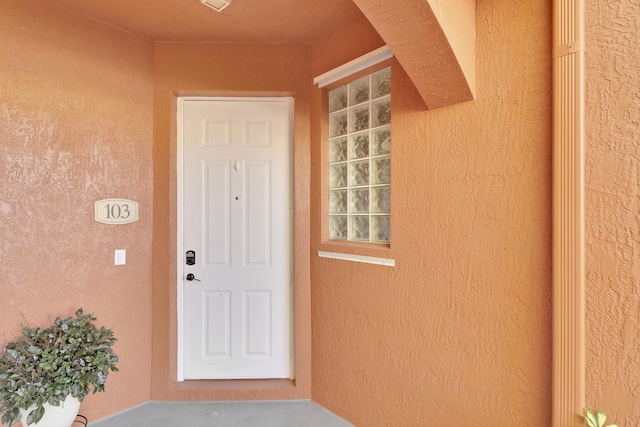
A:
(247, 21)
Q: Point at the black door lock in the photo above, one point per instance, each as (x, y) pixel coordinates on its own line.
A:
(191, 258)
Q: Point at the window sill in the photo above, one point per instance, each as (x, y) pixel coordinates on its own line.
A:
(358, 258)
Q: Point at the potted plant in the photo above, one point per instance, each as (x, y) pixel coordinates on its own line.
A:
(54, 367)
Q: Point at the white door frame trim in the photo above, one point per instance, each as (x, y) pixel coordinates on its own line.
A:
(180, 217)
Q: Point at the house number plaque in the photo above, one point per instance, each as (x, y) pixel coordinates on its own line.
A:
(116, 211)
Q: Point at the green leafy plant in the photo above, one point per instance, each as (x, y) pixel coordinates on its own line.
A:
(70, 357)
(596, 419)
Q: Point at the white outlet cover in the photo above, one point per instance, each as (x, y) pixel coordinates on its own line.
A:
(120, 257)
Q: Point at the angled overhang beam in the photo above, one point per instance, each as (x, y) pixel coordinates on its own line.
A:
(434, 41)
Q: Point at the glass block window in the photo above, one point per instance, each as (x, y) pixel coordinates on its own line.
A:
(360, 159)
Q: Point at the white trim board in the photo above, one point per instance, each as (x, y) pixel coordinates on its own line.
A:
(358, 258)
(352, 67)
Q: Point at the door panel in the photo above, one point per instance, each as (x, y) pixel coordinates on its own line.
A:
(258, 230)
(217, 329)
(257, 308)
(236, 216)
(217, 216)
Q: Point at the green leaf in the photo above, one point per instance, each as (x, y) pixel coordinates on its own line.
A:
(601, 418)
(11, 417)
(590, 418)
(35, 415)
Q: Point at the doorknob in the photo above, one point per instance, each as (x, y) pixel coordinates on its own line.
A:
(191, 277)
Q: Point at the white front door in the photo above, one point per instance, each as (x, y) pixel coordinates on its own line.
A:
(234, 161)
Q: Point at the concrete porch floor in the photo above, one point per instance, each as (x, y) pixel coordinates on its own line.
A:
(236, 414)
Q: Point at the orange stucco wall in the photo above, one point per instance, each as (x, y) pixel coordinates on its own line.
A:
(76, 127)
(225, 69)
(612, 201)
(459, 331)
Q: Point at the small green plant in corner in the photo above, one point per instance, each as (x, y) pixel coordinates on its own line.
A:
(70, 357)
(597, 419)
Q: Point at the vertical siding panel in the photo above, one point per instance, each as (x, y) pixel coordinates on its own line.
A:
(568, 215)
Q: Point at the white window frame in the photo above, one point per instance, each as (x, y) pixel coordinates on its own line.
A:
(341, 72)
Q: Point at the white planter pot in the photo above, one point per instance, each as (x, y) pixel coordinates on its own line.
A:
(55, 416)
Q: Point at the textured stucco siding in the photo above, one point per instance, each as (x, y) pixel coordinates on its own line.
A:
(459, 332)
(76, 127)
(612, 203)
